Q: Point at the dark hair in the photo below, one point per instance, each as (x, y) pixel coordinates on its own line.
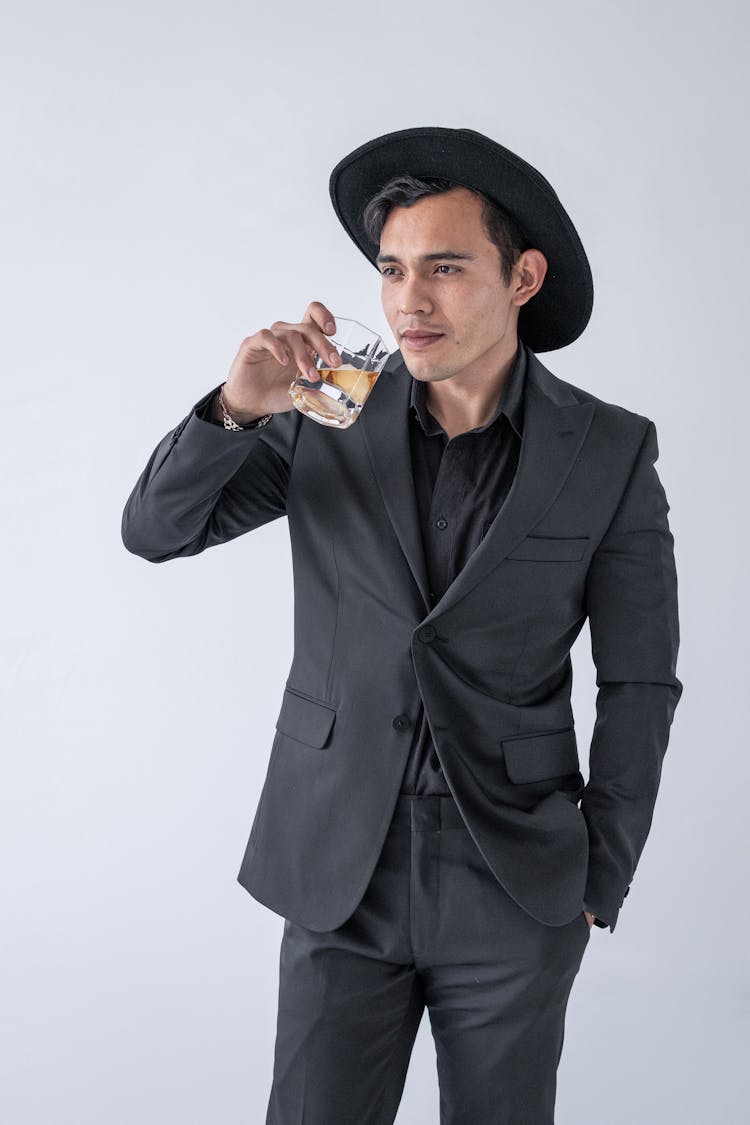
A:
(402, 191)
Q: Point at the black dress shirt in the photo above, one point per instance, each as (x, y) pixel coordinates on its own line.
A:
(461, 484)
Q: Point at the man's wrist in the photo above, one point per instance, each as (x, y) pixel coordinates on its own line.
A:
(240, 417)
(216, 412)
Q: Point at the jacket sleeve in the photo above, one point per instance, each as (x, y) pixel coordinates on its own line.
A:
(631, 597)
(205, 485)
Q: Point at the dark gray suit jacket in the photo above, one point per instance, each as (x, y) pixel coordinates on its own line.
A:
(583, 533)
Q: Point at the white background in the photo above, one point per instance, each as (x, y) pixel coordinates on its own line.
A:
(165, 193)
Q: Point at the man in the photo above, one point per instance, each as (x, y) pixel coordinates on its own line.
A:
(424, 828)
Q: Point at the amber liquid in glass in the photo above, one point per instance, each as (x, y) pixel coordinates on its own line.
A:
(339, 396)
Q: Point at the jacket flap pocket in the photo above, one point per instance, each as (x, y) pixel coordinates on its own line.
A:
(537, 757)
(306, 719)
(544, 548)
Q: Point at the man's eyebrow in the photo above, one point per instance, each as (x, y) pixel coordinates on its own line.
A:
(438, 255)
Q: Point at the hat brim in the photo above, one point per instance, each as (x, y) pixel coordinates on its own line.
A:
(561, 309)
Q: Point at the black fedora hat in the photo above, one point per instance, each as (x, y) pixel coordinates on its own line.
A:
(560, 311)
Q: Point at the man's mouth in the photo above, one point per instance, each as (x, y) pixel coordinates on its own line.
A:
(420, 339)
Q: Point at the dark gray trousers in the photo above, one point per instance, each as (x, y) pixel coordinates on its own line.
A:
(434, 929)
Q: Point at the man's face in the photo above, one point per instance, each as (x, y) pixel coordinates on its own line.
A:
(426, 287)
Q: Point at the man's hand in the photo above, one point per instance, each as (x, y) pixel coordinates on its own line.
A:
(589, 918)
(260, 375)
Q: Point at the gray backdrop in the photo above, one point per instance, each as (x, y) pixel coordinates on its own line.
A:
(164, 174)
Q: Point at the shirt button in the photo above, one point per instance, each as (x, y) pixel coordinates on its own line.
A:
(402, 722)
(441, 523)
(427, 634)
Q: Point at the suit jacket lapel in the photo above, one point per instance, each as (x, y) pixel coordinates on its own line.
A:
(555, 425)
(385, 428)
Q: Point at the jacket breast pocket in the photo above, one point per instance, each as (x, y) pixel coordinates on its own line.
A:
(305, 718)
(541, 757)
(538, 548)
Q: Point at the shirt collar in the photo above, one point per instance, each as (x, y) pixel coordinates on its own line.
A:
(511, 400)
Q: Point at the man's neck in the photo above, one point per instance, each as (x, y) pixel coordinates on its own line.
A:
(466, 401)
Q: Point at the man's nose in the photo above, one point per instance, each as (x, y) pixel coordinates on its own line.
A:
(414, 298)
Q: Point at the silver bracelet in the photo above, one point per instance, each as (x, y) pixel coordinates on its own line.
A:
(229, 422)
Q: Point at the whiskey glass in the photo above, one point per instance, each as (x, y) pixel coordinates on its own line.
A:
(337, 398)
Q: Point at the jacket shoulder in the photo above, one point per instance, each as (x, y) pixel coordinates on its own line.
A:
(610, 420)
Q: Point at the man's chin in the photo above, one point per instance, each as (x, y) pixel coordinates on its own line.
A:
(425, 373)
(425, 368)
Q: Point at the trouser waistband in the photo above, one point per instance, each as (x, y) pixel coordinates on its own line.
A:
(427, 813)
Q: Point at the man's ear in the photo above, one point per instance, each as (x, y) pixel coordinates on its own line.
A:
(528, 275)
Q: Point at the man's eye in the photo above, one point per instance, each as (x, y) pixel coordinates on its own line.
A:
(388, 270)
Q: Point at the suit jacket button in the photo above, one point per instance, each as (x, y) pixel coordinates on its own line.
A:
(427, 634)
(402, 722)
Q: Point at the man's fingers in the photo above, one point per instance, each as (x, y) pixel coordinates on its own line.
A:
(309, 332)
(301, 342)
(305, 357)
(322, 316)
(291, 344)
(323, 347)
(321, 321)
(271, 342)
